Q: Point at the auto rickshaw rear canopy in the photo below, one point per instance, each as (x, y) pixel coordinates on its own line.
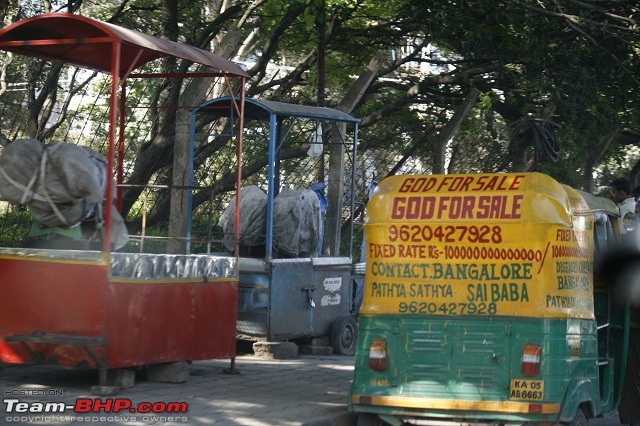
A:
(599, 204)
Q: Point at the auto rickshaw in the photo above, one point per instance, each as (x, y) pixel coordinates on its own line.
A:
(483, 303)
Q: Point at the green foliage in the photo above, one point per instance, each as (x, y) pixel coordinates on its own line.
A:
(15, 224)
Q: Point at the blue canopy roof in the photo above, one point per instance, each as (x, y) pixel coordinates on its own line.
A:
(261, 109)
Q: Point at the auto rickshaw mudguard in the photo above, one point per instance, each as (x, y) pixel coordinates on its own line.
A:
(579, 391)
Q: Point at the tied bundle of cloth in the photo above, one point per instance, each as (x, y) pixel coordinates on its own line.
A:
(297, 221)
(62, 184)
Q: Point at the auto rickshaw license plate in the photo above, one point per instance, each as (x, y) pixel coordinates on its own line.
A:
(526, 390)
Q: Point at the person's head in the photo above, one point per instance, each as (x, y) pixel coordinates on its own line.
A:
(636, 192)
(620, 189)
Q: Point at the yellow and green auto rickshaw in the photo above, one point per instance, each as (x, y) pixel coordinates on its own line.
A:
(481, 304)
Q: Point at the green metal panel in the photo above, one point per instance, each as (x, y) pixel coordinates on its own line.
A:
(453, 359)
(475, 358)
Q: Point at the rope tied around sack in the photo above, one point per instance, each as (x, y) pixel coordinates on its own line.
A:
(36, 188)
(42, 186)
(28, 193)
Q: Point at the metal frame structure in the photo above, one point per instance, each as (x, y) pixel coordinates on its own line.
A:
(117, 51)
(304, 297)
(83, 307)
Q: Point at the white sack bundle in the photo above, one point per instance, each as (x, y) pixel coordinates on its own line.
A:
(296, 223)
(61, 183)
(253, 214)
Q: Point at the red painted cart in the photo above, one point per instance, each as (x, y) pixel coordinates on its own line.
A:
(101, 308)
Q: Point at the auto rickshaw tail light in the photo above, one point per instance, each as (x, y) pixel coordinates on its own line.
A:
(378, 355)
(531, 355)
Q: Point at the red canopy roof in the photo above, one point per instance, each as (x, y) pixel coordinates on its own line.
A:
(87, 42)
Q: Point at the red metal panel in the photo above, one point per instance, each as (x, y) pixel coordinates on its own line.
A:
(49, 297)
(53, 297)
(144, 322)
(157, 322)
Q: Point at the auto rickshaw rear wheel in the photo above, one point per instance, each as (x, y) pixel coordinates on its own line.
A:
(344, 335)
(580, 419)
(369, 419)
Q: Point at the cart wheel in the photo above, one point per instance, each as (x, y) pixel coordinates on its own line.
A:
(344, 335)
(369, 419)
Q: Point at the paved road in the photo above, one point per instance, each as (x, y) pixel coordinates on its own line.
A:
(309, 390)
(610, 421)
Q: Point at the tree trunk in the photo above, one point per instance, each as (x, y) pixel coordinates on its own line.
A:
(595, 155)
(450, 129)
(335, 193)
(178, 211)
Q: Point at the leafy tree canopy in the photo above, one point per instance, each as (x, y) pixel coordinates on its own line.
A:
(570, 64)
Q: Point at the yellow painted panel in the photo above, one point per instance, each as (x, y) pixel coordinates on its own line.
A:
(526, 390)
(497, 244)
(453, 404)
